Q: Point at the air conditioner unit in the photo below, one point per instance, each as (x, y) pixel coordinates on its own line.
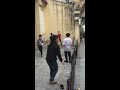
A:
(76, 18)
(76, 12)
(70, 0)
(79, 21)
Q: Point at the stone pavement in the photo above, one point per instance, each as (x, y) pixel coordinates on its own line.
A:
(42, 72)
(80, 68)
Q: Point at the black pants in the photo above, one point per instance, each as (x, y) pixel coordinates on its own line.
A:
(53, 70)
(60, 41)
(40, 49)
(67, 54)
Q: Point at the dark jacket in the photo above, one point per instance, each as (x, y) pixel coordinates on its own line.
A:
(53, 51)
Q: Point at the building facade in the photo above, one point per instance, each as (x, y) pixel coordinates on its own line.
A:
(53, 16)
(39, 18)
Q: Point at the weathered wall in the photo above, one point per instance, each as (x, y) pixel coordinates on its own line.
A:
(37, 20)
(57, 17)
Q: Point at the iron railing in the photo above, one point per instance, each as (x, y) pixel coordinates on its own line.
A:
(70, 81)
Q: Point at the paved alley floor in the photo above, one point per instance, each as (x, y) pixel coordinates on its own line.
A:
(80, 68)
(42, 72)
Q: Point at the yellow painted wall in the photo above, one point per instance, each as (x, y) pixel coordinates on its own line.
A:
(37, 20)
(77, 33)
(56, 19)
(77, 0)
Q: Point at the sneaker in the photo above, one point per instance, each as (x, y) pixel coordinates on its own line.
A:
(53, 82)
(61, 86)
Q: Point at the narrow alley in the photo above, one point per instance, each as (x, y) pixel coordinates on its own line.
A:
(42, 72)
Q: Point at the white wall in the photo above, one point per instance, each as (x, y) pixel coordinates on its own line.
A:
(42, 25)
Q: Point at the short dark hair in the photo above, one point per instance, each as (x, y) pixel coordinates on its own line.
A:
(53, 38)
(40, 35)
(51, 33)
(67, 34)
